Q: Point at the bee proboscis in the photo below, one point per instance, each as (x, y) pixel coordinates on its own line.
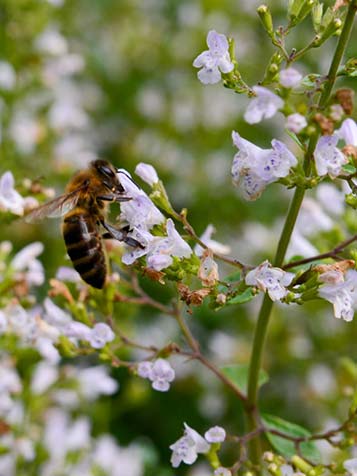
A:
(84, 209)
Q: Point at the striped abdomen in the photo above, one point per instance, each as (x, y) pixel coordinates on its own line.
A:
(84, 246)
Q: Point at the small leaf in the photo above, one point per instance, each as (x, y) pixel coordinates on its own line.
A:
(311, 80)
(246, 296)
(349, 169)
(287, 447)
(238, 374)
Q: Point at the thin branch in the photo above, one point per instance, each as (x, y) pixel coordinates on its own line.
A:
(329, 254)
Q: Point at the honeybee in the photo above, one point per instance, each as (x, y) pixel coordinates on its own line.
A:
(84, 208)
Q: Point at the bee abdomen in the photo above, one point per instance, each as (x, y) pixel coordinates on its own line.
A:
(84, 247)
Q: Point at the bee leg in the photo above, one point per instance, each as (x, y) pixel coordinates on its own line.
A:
(120, 235)
(113, 198)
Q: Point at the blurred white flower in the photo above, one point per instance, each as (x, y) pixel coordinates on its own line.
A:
(300, 246)
(295, 123)
(331, 198)
(321, 380)
(263, 106)
(350, 465)
(25, 130)
(270, 280)
(57, 68)
(95, 381)
(50, 41)
(55, 316)
(77, 330)
(290, 77)
(216, 434)
(30, 269)
(7, 76)
(348, 132)
(222, 472)
(214, 245)
(336, 112)
(215, 60)
(10, 199)
(44, 375)
(65, 273)
(100, 335)
(186, 449)
(328, 158)
(147, 173)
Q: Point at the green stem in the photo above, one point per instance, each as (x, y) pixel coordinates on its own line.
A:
(265, 311)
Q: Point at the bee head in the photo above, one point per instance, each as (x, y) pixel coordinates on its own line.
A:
(107, 174)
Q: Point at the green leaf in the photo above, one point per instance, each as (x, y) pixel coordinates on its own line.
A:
(295, 138)
(349, 168)
(238, 374)
(287, 447)
(246, 296)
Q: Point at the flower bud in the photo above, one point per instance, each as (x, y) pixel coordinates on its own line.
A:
(266, 18)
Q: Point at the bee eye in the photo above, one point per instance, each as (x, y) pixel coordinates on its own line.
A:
(104, 168)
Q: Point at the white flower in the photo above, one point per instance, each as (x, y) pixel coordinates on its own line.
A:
(55, 316)
(331, 198)
(10, 199)
(328, 158)
(216, 434)
(65, 273)
(214, 245)
(215, 60)
(290, 77)
(350, 465)
(147, 173)
(31, 268)
(77, 330)
(139, 212)
(295, 123)
(348, 132)
(26, 131)
(269, 279)
(160, 373)
(7, 76)
(254, 168)
(95, 381)
(186, 449)
(342, 295)
(51, 42)
(222, 472)
(44, 375)
(159, 250)
(100, 335)
(336, 112)
(263, 106)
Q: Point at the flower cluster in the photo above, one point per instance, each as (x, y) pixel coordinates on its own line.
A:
(254, 168)
(187, 448)
(10, 199)
(160, 373)
(270, 280)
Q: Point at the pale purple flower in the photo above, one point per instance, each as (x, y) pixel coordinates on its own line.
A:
(263, 106)
(348, 132)
(100, 335)
(65, 273)
(222, 472)
(254, 168)
(25, 261)
(216, 434)
(77, 330)
(3, 323)
(140, 212)
(160, 373)
(186, 449)
(145, 368)
(147, 173)
(215, 60)
(44, 375)
(55, 316)
(10, 199)
(214, 245)
(7, 76)
(331, 198)
(295, 123)
(350, 465)
(50, 41)
(342, 295)
(290, 77)
(328, 158)
(270, 280)
(336, 112)
(95, 381)
(47, 350)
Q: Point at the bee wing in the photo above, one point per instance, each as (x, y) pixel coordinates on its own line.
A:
(55, 208)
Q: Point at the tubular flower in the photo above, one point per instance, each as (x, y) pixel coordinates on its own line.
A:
(263, 106)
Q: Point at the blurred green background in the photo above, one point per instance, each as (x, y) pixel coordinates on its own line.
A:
(114, 79)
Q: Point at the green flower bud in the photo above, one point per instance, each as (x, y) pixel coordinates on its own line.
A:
(266, 18)
(317, 16)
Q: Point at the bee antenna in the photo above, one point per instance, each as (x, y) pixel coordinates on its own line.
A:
(121, 171)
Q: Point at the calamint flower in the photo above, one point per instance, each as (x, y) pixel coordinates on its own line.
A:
(342, 295)
(215, 60)
(27, 267)
(263, 106)
(254, 168)
(270, 280)
(147, 173)
(290, 77)
(295, 123)
(186, 449)
(10, 199)
(348, 132)
(216, 434)
(214, 245)
(328, 158)
(350, 465)
(159, 372)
